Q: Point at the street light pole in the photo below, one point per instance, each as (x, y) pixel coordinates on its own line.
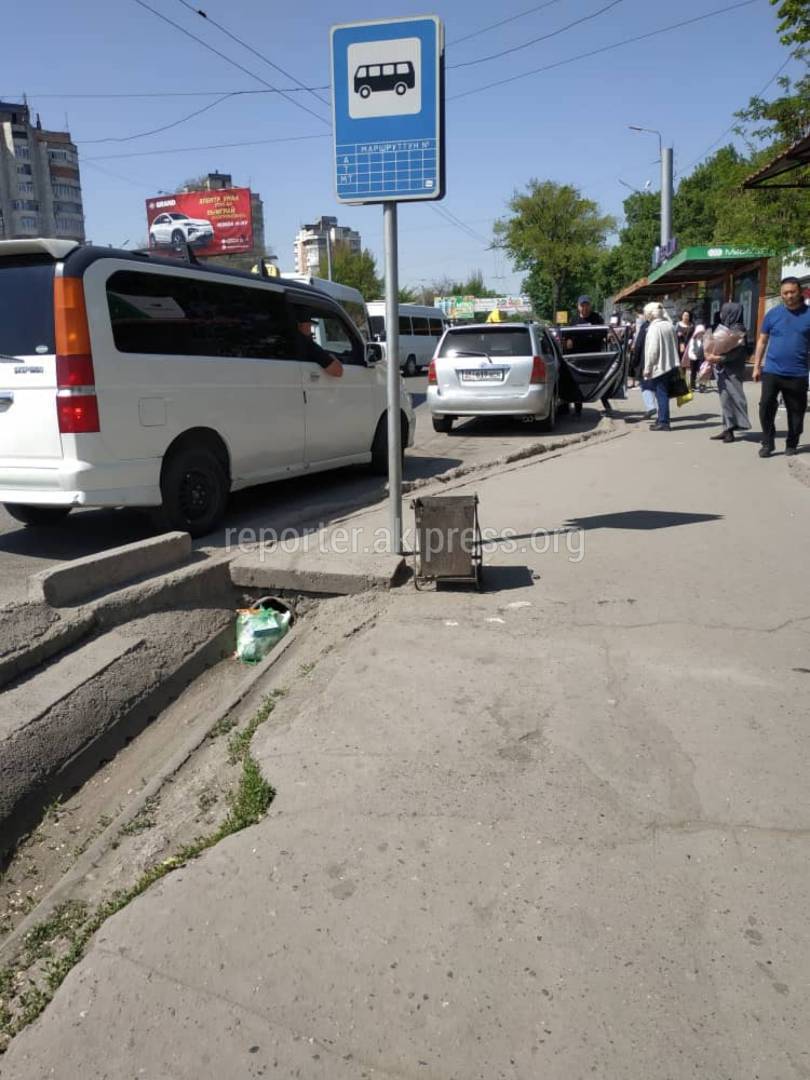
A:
(667, 182)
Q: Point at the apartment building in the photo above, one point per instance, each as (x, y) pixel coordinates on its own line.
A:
(313, 243)
(40, 186)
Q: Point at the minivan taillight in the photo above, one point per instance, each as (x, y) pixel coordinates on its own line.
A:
(538, 370)
(76, 403)
(78, 413)
(432, 380)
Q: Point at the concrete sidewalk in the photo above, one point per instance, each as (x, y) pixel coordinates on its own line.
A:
(560, 829)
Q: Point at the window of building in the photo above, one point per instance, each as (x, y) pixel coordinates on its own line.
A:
(70, 225)
(23, 170)
(185, 316)
(29, 222)
(22, 151)
(25, 187)
(67, 208)
(67, 191)
(25, 204)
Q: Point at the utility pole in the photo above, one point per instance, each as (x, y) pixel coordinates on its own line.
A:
(329, 254)
(666, 195)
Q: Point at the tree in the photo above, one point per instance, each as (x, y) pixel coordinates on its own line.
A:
(555, 234)
(409, 295)
(795, 21)
(355, 268)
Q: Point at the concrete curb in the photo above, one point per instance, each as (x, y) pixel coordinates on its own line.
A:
(96, 851)
(72, 582)
(322, 574)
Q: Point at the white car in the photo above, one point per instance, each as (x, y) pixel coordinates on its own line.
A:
(175, 230)
(140, 380)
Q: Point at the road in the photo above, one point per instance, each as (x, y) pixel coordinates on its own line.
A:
(291, 504)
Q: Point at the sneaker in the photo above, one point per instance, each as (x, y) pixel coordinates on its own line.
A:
(765, 451)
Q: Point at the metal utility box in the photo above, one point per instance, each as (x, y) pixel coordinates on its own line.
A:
(448, 540)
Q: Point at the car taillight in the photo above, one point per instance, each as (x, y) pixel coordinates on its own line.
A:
(78, 413)
(432, 380)
(76, 403)
(538, 370)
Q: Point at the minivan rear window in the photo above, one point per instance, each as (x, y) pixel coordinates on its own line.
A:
(516, 342)
(26, 306)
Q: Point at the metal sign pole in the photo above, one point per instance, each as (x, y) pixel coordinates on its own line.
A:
(392, 353)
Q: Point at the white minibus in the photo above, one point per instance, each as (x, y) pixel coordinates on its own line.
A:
(351, 300)
(420, 330)
(133, 379)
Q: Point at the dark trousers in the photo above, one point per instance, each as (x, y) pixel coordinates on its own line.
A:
(794, 394)
(660, 385)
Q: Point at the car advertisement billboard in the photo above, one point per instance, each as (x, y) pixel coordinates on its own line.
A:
(210, 222)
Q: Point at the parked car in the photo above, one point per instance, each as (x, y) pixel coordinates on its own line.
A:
(175, 230)
(131, 379)
(594, 363)
(497, 369)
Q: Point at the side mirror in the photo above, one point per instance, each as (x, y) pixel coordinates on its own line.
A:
(374, 353)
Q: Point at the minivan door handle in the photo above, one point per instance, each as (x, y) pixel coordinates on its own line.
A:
(314, 376)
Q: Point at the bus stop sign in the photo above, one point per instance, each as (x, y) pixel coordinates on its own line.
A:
(388, 110)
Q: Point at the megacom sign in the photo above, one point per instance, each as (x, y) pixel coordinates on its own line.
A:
(211, 222)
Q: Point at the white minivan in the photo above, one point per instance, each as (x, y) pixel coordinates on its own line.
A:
(420, 330)
(129, 379)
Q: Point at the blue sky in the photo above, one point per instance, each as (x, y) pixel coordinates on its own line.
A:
(568, 124)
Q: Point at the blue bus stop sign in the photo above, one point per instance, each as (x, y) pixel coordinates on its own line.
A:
(388, 106)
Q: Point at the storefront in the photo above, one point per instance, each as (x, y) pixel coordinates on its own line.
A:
(702, 279)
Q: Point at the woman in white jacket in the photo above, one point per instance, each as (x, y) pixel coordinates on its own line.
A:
(660, 358)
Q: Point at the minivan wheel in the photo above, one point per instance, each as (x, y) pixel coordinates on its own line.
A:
(365, 91)
(37, 515)
(411, 367)
(379, 448)
(400, 88)
(443, 424)
(194, 486)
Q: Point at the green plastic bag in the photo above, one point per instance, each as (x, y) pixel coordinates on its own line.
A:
(257, 631)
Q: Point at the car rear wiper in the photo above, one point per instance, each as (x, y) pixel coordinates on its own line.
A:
(460, 352)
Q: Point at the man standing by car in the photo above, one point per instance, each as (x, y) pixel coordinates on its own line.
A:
(311, 350)
(784, 345)
(586, 316)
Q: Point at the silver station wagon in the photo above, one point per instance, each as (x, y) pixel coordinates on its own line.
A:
(497, 369)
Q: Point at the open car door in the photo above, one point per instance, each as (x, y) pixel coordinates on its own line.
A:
(593, 362)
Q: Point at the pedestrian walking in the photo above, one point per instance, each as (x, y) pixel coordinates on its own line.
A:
(727, 350)
(637, 369)
(660, 360)
(695, 356)
(683, 331)
(781, 362)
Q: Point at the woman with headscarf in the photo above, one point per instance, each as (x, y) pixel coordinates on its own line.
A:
(726, 349)
(660, 360)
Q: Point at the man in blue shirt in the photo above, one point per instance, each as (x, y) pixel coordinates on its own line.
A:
(784, 344)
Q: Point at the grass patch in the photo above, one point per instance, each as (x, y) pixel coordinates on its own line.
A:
(143, 820)
(222, 726)
(58, 943)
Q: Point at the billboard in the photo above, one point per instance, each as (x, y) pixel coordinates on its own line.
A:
(210, 222)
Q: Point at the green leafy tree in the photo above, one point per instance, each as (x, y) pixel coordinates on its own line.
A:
(409, 295)
(355, 268)
(555, 234)
(794, 25)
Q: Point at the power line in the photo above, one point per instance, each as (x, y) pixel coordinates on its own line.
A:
(156, 131)
(227, 59)
(168, 93)
(218, 146)
(503, 22)
(730, 129)
(451, 219)
(603, 49)
(534, 41)
(245, 45)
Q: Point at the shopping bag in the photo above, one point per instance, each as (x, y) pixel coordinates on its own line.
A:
(684, 399)
(678, 386)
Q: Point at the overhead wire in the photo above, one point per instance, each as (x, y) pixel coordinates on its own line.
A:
(230, 60)
(158, 130)
(451, 219)
(245, 45)
(731, 127)
(603, 49)
(217, 146)
(543, 37)
(169, 93)
(503, 22)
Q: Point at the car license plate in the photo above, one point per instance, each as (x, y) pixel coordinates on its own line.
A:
(483, 375)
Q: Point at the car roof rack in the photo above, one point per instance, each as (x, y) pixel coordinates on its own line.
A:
(187, 255)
